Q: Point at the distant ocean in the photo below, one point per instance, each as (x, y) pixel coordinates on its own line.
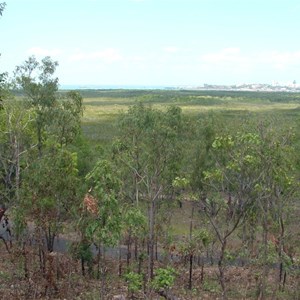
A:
(115, 87)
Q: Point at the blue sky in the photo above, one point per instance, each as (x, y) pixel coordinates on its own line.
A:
(156, 42)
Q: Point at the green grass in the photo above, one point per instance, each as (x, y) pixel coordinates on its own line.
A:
(102, 107)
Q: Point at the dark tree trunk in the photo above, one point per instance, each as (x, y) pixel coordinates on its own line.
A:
(221, 268)
(129, 242)
(151, 240)
(190, 272)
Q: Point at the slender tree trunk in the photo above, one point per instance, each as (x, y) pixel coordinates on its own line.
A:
(263, 283)
(156, 248)
(24, 252)
(6, 246)
(39, 136)
(151, 240)
(17, 172)
(50, 237)
(82, 266)
(42, 260)
(120, 259)
(99, 261)
(221, 268)
(191, 253)
(129, 242)
(103, 279)
(202, 273)
(136, 248)
(190, 272)
(282, 272)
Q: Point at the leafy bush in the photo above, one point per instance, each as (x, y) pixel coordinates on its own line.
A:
(134, 281)
(164, 278)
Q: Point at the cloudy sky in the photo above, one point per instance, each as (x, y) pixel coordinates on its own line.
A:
(156, 42)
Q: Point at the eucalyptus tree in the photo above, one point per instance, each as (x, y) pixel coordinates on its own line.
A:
(2, 6)
(3, 89)
(65, 117)
(104, 226)
(49, 182)
(2, 75)
(251, 174)
(38, 84)
(149, 149)
(16, 141)
(276, 193)
(231, 183)
(134, 228)
(49, 193)
(57, 115)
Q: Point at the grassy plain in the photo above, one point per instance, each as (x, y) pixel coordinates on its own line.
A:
(103, 106)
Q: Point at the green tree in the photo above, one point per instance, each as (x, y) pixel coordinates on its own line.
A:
(66, 118)
(104, 226)
(252, 176)
(16, 141)
(49, 193)
(230, 190)
(134, 227)
(58, 116)
(275, 192)
(149, 148)
(3, 89)
(38, 84)
(2, 75)
(2, 6)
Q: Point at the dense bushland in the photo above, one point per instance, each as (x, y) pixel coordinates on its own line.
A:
(172, 204)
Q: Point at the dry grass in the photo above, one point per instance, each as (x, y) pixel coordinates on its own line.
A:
(63, 280)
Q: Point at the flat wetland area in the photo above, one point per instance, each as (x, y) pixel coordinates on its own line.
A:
(101, 107)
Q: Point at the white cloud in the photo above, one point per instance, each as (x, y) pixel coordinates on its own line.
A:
(227, 55)
(38, 51)
(235, 58)
(108, 55)
(137, 58)
(280, 60)
(171, 49)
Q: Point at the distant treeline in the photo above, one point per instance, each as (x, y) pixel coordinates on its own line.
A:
(192, 95)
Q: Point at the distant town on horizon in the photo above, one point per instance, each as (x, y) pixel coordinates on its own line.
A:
(263, 87)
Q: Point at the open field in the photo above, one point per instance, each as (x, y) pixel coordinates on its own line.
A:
(103, 106)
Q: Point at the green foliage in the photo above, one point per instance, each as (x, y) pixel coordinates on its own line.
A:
(134, 281)
(164, 278)
(180, 182)
(16, 140)
(2, 6)
(271, 254)
(58, 120)
(37, 82)
(135, 221)
(210, 286)
(149, 143)
(105, 227)
(198, 242)
(82, 250)
(52, 176)
(49, 190)
(64, 119)
(202, 236)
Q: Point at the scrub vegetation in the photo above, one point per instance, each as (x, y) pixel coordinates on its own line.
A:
(147, 194)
